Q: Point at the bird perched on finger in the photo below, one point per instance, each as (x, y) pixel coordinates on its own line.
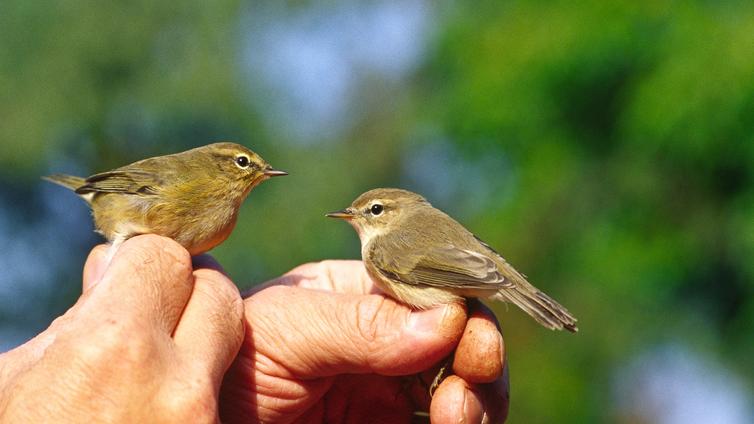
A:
(422, 257)
(192, 197)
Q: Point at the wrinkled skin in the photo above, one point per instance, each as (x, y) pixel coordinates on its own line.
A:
(155, 338)
(320, 347)
(149, 340)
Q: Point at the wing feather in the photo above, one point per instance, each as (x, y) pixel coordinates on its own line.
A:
(445, 267)
(117, 181)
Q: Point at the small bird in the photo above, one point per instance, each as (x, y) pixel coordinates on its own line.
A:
(422, 257)
(192, 197)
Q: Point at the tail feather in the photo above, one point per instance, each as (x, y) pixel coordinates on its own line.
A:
(67, 181)
(539, 306)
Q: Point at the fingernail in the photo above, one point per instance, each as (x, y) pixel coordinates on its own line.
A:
(428, 321)
(97, 264)
(473, 409)
(99, 272)
(502, 351)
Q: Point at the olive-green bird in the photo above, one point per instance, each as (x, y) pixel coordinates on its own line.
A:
(192, 197)
(422, 257)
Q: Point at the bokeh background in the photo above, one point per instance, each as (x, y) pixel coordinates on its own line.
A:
(605, 148)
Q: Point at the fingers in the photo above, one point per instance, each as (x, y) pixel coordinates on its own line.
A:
(318, 334)
(341, 276)
(480, 354)
(149, 278)
(479, 390)
(211, 329)
(456, 401)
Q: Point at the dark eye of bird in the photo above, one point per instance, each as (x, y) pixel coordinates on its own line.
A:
(376, 209)
(242, 161)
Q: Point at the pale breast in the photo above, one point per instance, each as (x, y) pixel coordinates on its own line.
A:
(197, 226)
(419, 297)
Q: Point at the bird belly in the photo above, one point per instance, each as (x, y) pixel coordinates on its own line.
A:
(420, 297)
(209, 240)
(116, 218)
(198, 231)
(119, 217)
(416, 296)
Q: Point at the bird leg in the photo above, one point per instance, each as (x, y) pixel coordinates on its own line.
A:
(446, 370)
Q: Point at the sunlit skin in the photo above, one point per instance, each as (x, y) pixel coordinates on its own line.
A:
(347, 354)
(155, 337)
(192, 197)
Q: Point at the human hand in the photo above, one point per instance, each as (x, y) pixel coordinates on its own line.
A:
(148, 341)
(320, 348)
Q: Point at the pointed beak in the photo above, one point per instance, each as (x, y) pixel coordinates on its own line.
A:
(270, 172)
(346, 213)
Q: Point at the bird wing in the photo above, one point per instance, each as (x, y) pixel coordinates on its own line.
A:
(445, 267)
(121, 181)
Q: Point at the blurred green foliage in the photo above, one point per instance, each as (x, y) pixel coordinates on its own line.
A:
(630, 125)
(622, 131)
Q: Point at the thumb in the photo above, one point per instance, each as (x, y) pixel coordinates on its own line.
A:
(319, 334)
(94, 267)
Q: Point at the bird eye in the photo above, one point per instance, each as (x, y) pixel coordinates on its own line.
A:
(376, 209)
(242, 161)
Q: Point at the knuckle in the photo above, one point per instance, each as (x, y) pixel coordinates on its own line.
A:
(225, 307)
(177, 254)
(324, 264)
(101, 348)
(216, 287)
(191, 401)
(121, 340)
(226, 317)
(373, 313)
(93, 354)
(138, 350)
(144, 249)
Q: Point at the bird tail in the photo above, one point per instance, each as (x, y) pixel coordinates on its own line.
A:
(67, 181)
(544, 309)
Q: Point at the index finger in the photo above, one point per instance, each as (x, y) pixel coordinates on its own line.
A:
(480, 355)
(211, 328)
(340, 276)
(457, 400)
